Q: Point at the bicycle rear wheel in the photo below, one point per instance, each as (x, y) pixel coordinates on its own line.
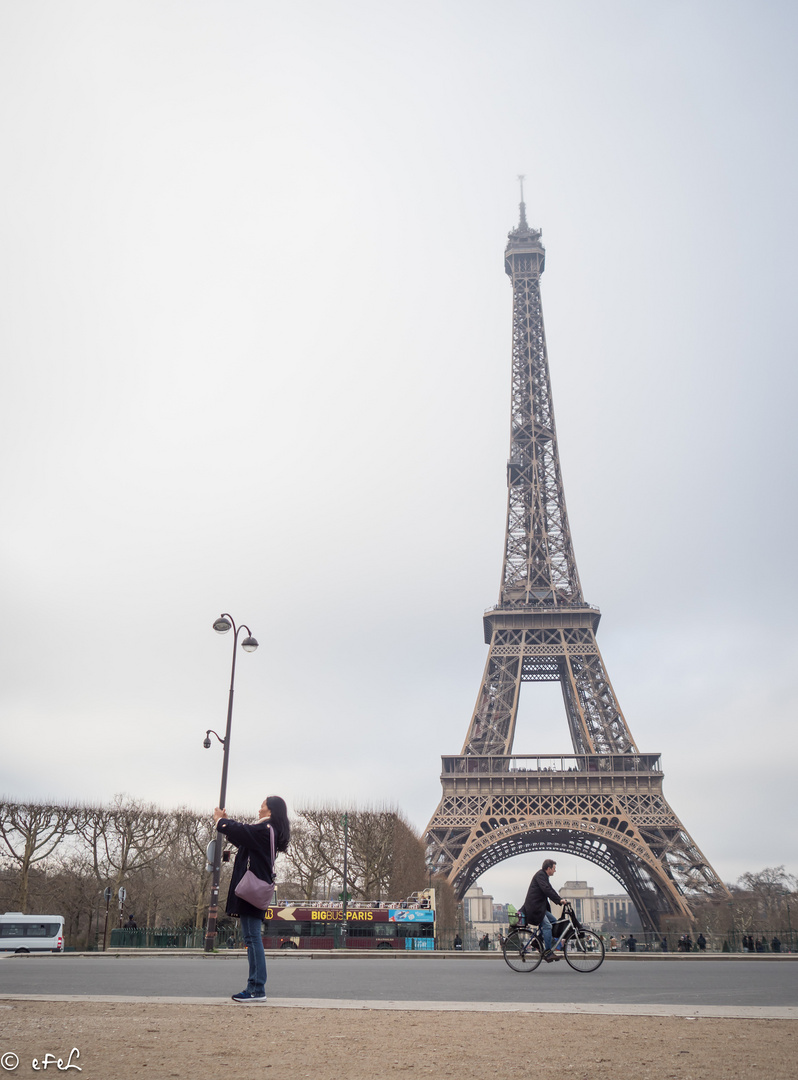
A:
(584, 950)
(522, 950)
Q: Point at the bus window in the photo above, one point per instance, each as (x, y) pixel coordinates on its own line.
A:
(359, 930)
(415, 930)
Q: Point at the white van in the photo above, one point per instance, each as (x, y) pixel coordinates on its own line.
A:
(31, 933)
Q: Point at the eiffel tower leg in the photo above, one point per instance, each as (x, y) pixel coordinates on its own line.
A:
(492, 724)
(590, 699)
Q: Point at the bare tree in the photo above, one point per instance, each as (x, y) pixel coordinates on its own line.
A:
(125, 838)
(304, 863)
(408, 867)
(193, 833)
(316, 852)
(70, 888)
(31, 832)
(371, 847)
(762, 899)
(383, 853)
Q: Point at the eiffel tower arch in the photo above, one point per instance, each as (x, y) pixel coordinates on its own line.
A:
(603, 802)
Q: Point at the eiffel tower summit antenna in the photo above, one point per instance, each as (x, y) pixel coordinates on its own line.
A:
(522, 208)
(603, 802)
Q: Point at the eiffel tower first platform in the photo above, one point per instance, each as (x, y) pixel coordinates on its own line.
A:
(603, 802)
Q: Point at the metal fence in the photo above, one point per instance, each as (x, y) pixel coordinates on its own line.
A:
(732, 941)
(183, 937)
(729, 941)
(162, 937)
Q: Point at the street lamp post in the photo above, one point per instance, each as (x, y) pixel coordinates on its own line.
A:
(249, 644)
(345, 894)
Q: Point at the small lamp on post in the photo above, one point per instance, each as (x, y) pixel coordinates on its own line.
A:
(249, 644)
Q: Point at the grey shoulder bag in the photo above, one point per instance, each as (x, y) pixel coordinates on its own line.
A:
(253, 889)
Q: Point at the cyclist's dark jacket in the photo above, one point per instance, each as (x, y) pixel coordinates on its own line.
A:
(538, 895)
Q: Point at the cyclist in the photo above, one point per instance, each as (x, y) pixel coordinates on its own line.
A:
(536, 908)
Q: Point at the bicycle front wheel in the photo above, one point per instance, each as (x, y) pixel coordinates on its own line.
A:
(522, 950)
(584, 950)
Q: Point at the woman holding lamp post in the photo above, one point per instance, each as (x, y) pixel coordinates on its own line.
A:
(257, 847)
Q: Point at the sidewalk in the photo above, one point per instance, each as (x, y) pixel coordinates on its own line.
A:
(691, 1012)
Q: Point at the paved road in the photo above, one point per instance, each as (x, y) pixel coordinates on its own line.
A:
(662, 982)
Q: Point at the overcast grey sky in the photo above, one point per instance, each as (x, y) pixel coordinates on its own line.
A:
(256, 357)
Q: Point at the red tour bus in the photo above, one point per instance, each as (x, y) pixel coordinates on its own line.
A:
(383, 924)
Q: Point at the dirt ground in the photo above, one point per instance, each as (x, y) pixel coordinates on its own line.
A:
(160, 1042)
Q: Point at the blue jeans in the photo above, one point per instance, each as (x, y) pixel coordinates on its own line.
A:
(251, 931)
(545, 929)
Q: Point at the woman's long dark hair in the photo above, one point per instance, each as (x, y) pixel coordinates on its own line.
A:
(279, 822)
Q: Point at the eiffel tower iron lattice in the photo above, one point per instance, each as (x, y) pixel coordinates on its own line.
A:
(603, 803)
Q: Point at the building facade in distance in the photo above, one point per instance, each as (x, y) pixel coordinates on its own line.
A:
(610, 911)
(483, 916)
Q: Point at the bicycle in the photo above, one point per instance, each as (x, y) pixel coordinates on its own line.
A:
(583, 950)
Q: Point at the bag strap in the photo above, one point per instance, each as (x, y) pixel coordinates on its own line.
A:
(274, 853)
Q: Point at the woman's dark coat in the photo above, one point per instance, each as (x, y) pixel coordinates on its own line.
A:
(538, 894)
(254, 847)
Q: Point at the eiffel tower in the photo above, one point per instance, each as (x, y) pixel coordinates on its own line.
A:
(604, 802)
